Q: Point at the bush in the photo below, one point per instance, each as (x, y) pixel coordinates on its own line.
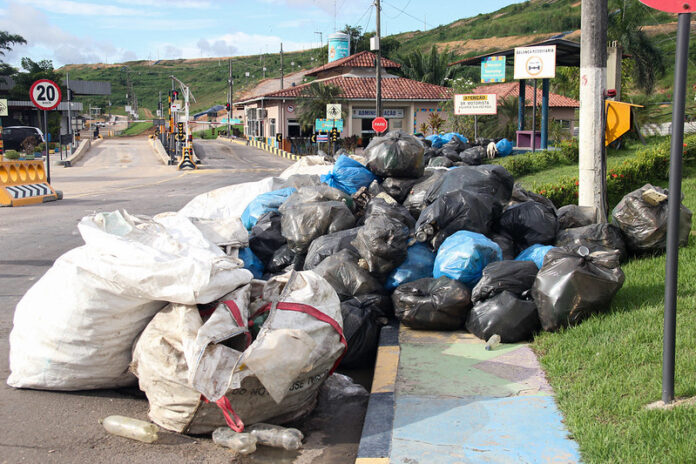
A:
(530, 163)
(649, 165)
(11, 154)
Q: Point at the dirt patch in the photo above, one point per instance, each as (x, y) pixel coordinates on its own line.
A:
(491, 43)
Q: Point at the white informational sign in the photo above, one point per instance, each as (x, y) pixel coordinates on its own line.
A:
(371, 113)
(535, 62)
(176, 105)
(333, 111)
(3, 107)
(475, 104)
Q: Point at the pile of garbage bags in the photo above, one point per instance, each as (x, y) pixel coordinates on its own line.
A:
(453, 149)
(235, 309)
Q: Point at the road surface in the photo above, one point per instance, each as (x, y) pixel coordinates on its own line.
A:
(55, 427)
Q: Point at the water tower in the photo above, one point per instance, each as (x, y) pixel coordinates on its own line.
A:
(339, 46)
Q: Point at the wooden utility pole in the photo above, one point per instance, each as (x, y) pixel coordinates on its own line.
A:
(593, 72)
(282, 73)
(378, 61)
(230, 99)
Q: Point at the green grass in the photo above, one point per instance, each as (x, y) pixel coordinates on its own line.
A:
(137, 128)
(605, 370)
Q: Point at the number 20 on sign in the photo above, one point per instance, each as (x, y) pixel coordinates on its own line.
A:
(45, 94)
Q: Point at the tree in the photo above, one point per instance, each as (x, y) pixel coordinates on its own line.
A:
(354, 33)
(388, 45)
(626, 27)
(432, 68)
(7, 40)
(33, 71)
(312, 103)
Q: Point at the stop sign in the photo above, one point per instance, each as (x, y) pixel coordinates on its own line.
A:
(379, 124)
(671, 6)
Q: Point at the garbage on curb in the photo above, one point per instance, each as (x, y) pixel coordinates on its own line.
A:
(264, 203)
(397, 154)
(418, 265)
(128, 427)
(363, 317)
(240, 443)
(530, 223)
(432, 304)
(492, 342)
(513, 317)
(642, 217)
(464, 255)
(348, 175)
(535, 253)
(596, 237)
(516, 277)
(276, 436)
(572, 284)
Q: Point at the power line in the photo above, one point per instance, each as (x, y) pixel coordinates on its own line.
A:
(401, 12)
(404, 12)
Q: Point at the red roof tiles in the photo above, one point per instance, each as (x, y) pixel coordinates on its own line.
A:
(364, 59)
(512, 89)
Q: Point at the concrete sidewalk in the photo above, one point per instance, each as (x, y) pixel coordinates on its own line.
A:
(451, 401)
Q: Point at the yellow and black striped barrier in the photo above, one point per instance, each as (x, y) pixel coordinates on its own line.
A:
(24, 183)
(273, 150)
(186, 159)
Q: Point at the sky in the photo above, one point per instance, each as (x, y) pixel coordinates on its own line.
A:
(99, 31)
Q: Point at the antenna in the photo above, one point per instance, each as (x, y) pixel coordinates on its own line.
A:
(334, 15)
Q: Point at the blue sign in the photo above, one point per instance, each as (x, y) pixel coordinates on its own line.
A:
(232, 121)
(322, 137)
(493, 69)
(325, 125)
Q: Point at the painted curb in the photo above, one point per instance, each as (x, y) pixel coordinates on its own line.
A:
(375, 441)
(265, 147)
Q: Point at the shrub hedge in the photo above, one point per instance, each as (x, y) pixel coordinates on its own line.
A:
(530, 163)
(649, 165)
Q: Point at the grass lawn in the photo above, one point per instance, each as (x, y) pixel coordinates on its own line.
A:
(137, 128)
(605, 370)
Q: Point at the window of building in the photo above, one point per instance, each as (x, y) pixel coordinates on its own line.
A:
(272, 129)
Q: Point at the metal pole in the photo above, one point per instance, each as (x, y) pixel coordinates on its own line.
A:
(48, 159)
(475, 127)
(378, 62)
(521, 103)
(229, 102)
(544, 114)
(67, 85)
(534, 117)
(282, 75)
(675, 168)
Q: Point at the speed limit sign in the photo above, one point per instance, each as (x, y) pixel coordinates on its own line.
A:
(45, 94)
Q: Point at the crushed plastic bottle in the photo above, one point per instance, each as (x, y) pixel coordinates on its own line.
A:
(242, 443)
(276, 436)
(493, 342)
(131, 428)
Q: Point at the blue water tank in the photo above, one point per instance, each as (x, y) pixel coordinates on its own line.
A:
(339, 46)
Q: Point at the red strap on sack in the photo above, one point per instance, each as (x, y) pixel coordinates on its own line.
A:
(231, 418)
(237, 316)
(314, 312)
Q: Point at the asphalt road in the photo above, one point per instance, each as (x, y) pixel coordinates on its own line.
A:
(57, 427)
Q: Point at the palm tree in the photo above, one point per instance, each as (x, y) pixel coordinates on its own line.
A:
(626, 27)
(432, 68)
(312, 102)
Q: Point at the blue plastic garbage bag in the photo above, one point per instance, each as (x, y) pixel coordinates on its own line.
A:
(535, 253)
(263, 203)
(251, 262)
(436, 141)
(504, 147)
(448, 136)
(418, 265)
(348, 175)
(463, 255)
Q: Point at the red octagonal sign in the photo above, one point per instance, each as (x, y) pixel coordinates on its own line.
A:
(671, 6)
(379, 124)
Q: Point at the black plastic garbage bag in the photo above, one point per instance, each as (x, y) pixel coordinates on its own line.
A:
(281, 261)
(492, 179)
(415, 201)
(529, 223)
(520, 195)
(307, 215)
(363, 318)
(398, 188)
(505, 314)
(642, 217)
(342, 272)
(432, 304)
(570, 216)
(575, 284)
(506, 244)
(455, 144)
(457, 210)
(429, 154)
(380, 207)
(440, 162)
(596, 237)
(327, 245)
(265, 237)
(450, 154)
(382, 242)
(473, 156)
(397, 154)
(512, 276)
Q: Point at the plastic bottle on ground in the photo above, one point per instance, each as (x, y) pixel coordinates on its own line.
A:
(131, 428)
(276, 436)
(242, 443)
(493, 342)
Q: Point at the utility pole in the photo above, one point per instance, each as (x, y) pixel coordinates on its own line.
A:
(378, 61)
(230, 99)
(67, 85)
(282, 75)
(321, 48)
(593, 70)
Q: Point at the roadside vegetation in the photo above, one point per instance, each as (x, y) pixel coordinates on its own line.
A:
(605, 370)
(137, 128)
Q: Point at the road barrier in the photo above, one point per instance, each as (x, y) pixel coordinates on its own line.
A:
(263, 146)
(187, 159)
(24, 183)
(80, 152)
(161, 153)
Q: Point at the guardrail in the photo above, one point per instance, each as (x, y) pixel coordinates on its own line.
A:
(161, 153)
(81, 151)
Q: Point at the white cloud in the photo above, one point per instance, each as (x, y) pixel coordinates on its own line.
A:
(70, 7)
(215, 48)
(171, 3)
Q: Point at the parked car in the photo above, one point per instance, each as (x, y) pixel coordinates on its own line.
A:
(13, 136)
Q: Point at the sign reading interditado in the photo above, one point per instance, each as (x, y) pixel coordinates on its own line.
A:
(475, 104)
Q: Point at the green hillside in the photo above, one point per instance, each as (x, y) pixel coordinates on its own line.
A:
(514, 25)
